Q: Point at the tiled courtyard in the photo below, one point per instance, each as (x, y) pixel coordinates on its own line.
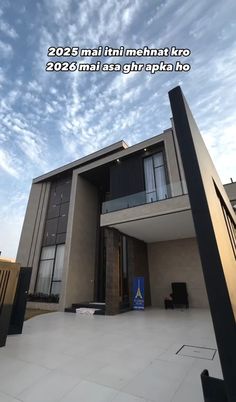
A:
(130, 357)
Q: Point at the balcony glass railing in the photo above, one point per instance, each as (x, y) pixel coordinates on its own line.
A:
(145, 197)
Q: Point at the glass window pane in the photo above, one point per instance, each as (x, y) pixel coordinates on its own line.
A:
(44, 277)
(56, 288)
(158, 159)
(149, 180)
(48, 253)
(59, 263)
(161, 183)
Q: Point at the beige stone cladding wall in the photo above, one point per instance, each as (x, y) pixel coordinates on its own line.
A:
(112, 238)
(176, 261)
(32, 232)
(42, 306)
(79, 263)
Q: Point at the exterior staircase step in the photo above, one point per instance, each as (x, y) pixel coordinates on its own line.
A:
(100, 307)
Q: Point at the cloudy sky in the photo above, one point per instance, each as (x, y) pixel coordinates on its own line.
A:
(50, 118)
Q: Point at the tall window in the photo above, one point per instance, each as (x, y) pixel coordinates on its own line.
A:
(50, 270)
(155, 177)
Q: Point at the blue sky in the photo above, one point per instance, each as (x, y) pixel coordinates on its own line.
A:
(49, 119)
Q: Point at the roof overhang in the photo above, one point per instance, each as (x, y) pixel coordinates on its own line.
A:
(116, 147)
(172, 226)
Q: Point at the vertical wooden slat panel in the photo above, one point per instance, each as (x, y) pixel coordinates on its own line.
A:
(9, 273)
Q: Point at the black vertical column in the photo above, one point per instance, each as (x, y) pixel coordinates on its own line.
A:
(214, 222)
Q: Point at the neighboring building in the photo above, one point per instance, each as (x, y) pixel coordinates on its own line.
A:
(93, 225)
(230, 189)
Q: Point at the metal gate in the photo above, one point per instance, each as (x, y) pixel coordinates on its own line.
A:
(19, 305)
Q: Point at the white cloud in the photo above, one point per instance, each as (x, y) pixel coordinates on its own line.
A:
(129, 13)
(10, 235)
(12, 215)
(34, 86)
(223, 150)
(49, 109)
(21, 133)
(198, 30)
(8, 30)
(60, 9)
(2, 77)
(3, 137)
(5, 49)
(30, 143)
(161, 10)
(8, 163)
(53, 91)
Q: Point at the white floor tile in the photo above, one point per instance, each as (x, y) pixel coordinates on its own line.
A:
(7, 398)
(9, 363)
(90, 392)
(159, 381)
(50, 388)
(114, 376)
(104, 355)
(18, 378)
(123, 397)
(81, 366)
(132, 362)
(189, 392)
(39, 356)
(125, 358)
(213, 366)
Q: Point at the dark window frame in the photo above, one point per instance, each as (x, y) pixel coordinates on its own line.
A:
(165, 165)
(53, 268)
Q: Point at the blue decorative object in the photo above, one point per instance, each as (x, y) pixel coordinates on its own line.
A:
(138, 293)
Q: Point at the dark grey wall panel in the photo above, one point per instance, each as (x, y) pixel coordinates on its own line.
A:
(51, 226)
(57, 213)
(53, 211)
(61, 238)
(62, 224)
(64, 209)
(127, 177)
(49, 240)
(214, 222)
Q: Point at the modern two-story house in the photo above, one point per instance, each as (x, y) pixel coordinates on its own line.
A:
(93, 225)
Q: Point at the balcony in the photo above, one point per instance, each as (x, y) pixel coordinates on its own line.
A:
(145, 197)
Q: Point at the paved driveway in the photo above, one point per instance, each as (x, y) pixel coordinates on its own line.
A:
(130, 357)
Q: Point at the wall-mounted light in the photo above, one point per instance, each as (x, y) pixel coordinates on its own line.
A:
(118, 160)
(145, 149)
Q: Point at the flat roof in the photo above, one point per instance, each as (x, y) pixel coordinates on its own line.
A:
(110, 149)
